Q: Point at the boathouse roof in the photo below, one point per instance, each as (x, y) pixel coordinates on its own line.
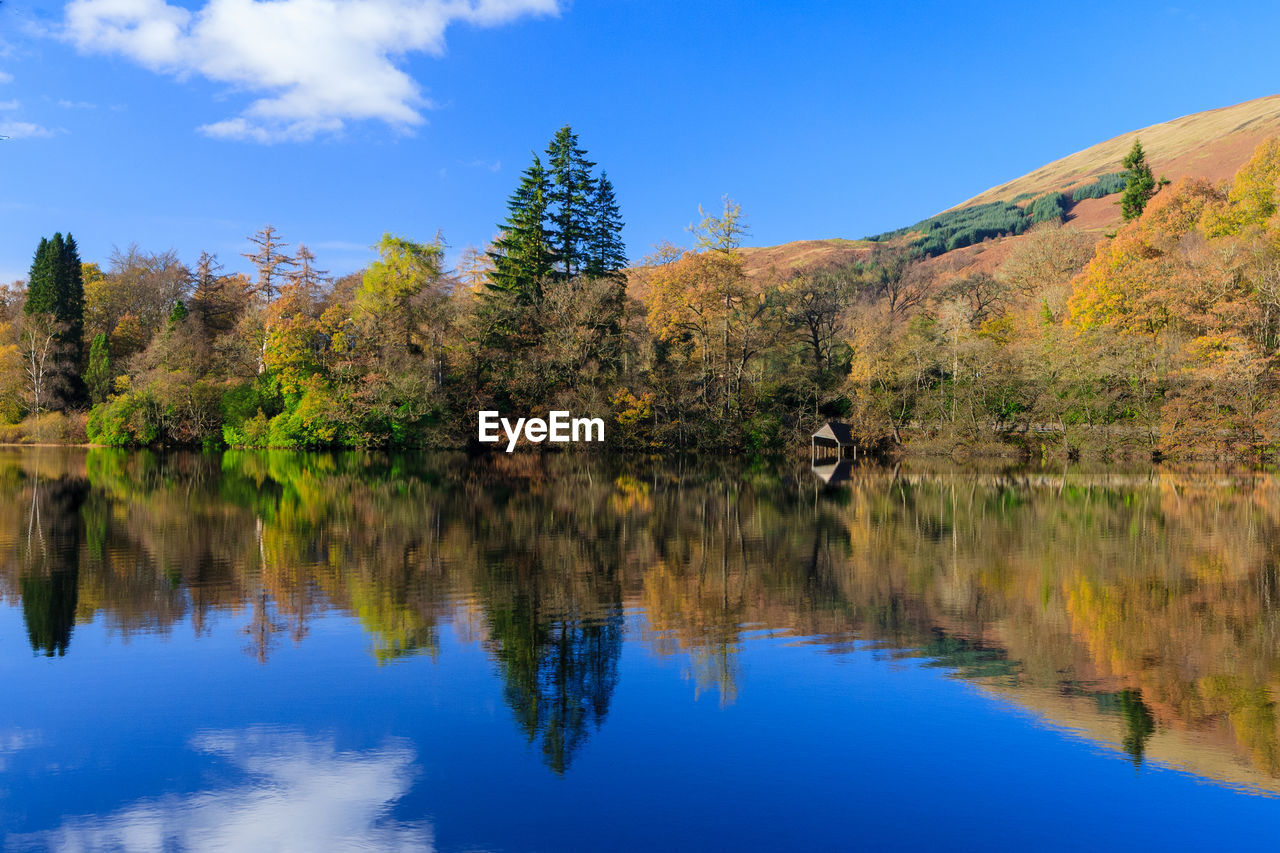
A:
(840, 433)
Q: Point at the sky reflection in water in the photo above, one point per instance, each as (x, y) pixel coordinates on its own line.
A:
(279, 651)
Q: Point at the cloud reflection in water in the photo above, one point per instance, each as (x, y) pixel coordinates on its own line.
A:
(302, 794)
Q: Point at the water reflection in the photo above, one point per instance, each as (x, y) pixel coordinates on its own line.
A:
(49, 562)
(1138, 610)
(298, 794)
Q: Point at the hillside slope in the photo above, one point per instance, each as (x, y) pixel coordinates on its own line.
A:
(1211, 145)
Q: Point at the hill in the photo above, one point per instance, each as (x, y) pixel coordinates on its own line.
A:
(1210, 145)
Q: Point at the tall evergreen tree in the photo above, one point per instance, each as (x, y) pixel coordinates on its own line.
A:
(571, 194)
(522, 255)
(71, 295)
(97, 376)
(1140, 184)
(56, 287)
(41, 289)
(607, 255)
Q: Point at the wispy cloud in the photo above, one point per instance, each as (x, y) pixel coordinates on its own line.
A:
(24, 130)
(9, 105)
(317, 64)
(6, 77)
(76, 105)
(495, 166)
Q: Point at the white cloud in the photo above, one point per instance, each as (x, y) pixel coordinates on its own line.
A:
(6, 77)
(300, 795)
(24, 130)
(9, 105)
(317, 64)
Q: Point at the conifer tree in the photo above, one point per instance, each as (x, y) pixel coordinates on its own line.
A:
(306, 276)
(97, 376)
(40, 281)
(522, 255)
(1140, 184)
(216, 298)
(572, 190)
(56, 287)
(607, 255)
(273, 263)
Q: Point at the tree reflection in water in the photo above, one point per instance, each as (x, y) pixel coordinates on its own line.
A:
(1150, 598)
(49, 558)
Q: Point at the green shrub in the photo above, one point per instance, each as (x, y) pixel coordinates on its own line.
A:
(250, 432)
(126, 420)
(244, 401)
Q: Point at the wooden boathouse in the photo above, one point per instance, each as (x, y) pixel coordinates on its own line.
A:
(834, 440)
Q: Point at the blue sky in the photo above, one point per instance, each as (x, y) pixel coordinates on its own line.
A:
(187, 124)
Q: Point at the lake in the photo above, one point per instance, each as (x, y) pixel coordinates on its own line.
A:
(279, 651)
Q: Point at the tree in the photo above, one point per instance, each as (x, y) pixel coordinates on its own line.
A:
(305, 275)
(97, 376)
(40, 346)
(1139, 185)
(723, 233)
(272, 263)
(714, 322)
(217, 300)
(522, 256)
(607, 255)
(397, 285)
(144, 284)
(56, 287)
(572, 192)
(815, 304)
(473, 269)
(900, 278)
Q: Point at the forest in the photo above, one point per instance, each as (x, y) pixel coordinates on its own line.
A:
(1158, 339)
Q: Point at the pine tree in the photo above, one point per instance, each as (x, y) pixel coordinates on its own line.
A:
(71, 295)
(522, 256)
(571, 194)
(56, 287)
(1140, 184)
(41, 290)
(607, 255)
(97, 376)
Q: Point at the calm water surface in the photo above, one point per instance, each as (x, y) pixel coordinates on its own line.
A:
(293, 652)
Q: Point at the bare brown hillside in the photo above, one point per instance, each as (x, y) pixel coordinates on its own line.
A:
(1211, 145)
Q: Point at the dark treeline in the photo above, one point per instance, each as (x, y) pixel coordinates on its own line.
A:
(1158, 339)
